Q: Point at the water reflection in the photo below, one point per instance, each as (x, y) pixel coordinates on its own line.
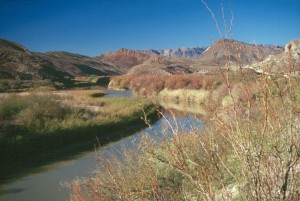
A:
(187, 107)
(114, 93)
(162, 129)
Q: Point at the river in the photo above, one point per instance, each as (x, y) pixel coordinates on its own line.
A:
(50, 182)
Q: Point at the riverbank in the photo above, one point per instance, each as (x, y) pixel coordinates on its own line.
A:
(205, 90)
(38, 128)
(248, 151)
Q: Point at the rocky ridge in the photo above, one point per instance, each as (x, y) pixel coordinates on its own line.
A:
(285, 62)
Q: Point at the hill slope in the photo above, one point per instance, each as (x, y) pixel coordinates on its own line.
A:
(236, 52)
(16, 62)
(136, 62)
(76, 64)
(208, 61)
(125, 58)
(289, 60)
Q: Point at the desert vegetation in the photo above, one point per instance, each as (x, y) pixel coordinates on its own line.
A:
(151, 85)
(248, 97)
(249, 150)
(79, 82)
(207, 90)
(35, 127)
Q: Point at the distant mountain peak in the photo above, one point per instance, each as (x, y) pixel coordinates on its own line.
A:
(183, 52)
(238, 52)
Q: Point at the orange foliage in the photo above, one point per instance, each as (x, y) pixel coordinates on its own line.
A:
(148, 85)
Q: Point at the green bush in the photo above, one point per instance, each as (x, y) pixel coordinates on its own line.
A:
(42, 110)
(12, 105)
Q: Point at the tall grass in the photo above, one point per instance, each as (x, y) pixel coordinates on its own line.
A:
(250, 149)
(38, 129)
(37, 113)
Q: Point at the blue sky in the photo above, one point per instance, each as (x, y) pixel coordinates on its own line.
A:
(93, 27)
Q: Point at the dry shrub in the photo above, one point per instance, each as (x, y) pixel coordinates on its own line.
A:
(120, 81)
(175, 170)
(178, 82)
(264, 135)
(250, 149)
(149, 85)
(77, 193)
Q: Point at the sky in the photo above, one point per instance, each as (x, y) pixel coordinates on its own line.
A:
(93, 27)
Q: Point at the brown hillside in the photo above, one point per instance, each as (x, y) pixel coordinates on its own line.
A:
(217, 55)
(80, 65)
(126, 59)
(16, 62)
(237, 52)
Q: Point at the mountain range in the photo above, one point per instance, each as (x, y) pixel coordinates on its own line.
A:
(17, 62)
(184, 52)
(209, 61)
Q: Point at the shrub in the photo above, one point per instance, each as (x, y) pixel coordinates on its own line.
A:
(151, 85)
(43, 108)
(11, 106)
(250, 150)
